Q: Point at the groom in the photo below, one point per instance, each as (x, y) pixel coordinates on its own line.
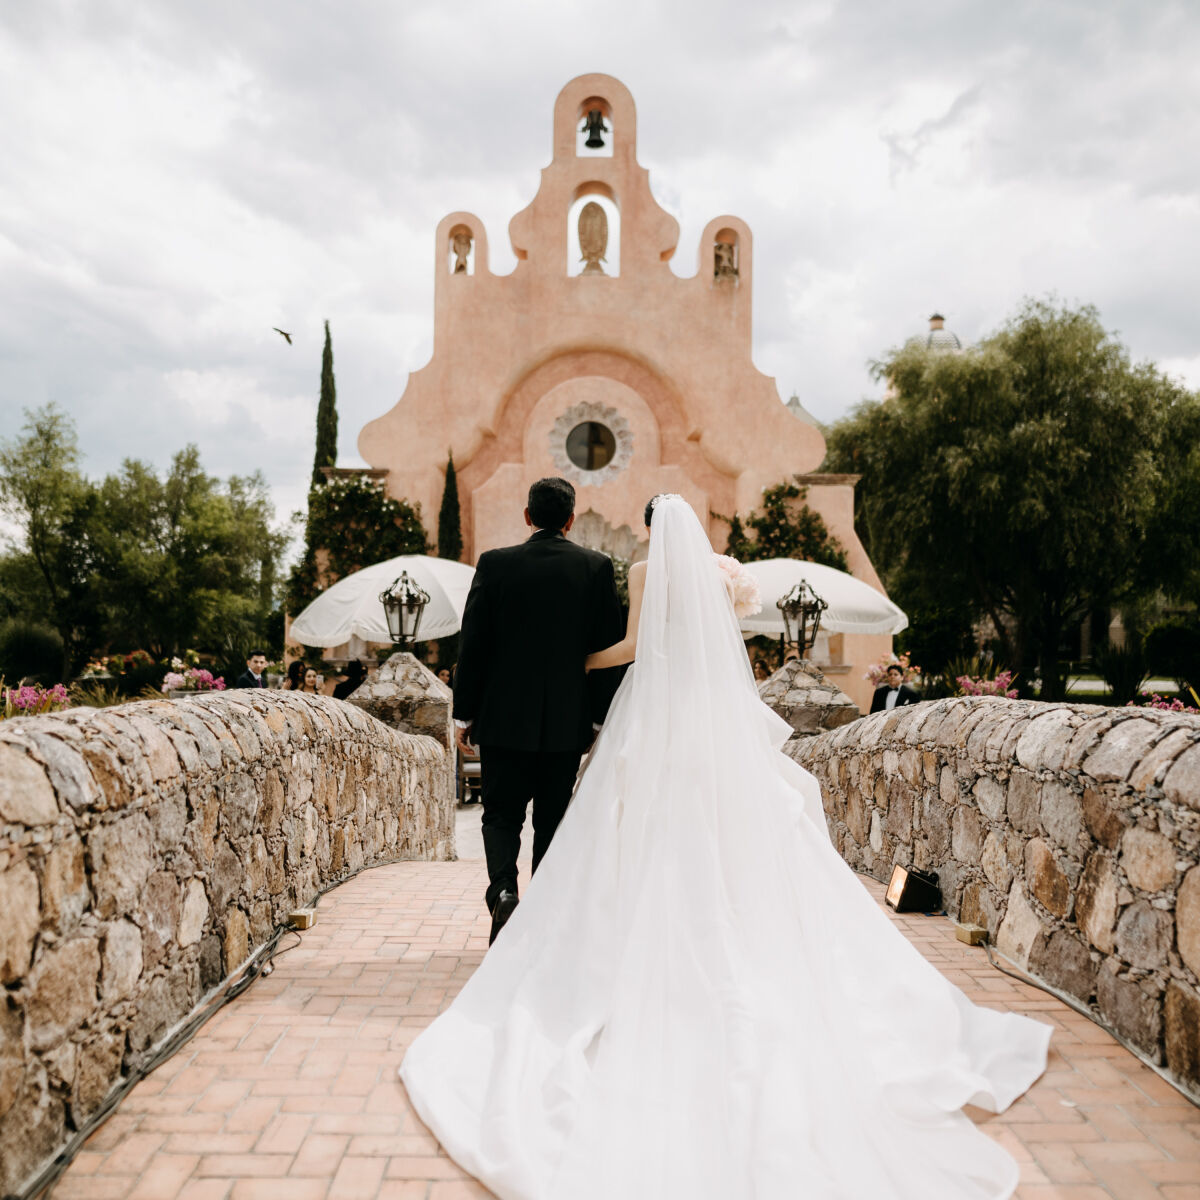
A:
(534, 613)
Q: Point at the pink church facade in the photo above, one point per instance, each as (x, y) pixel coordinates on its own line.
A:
(623, 377)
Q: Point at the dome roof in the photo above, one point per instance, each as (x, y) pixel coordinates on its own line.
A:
(798, 410)
(938, 337)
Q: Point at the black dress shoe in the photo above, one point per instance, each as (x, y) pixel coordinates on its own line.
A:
(506, 902)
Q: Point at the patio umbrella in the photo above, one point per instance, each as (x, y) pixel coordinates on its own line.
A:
(854, 606)
(351, 606)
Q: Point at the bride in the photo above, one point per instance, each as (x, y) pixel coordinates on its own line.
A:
(696, 999)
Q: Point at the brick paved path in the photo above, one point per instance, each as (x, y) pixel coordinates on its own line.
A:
(291, 1090)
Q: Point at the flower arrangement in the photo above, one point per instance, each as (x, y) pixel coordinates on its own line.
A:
(121, 664)
(191, 679)
(30, 700)
(1001, 685)
(877, 671)
(742, 587)
(1154, 700)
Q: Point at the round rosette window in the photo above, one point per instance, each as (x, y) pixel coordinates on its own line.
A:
(591, 444)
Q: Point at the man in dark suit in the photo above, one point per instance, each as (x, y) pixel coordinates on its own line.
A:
(894, 693)
(252, 676)
(534, 613)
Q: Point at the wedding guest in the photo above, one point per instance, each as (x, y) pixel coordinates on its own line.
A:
(445, 674)
(895, 693)
(761, 671)
(252, 676)
(312, 682)
(295, 676)
(355, 674)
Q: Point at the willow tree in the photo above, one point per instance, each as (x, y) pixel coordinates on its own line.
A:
(1018, 477)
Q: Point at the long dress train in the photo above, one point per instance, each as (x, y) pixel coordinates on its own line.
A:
(696, 999)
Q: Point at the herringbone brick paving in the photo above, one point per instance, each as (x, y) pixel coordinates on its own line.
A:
(291, 1090)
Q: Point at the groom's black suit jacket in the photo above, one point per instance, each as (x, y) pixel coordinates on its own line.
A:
(534, 613)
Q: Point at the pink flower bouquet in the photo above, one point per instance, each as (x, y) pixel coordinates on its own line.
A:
(742, 586)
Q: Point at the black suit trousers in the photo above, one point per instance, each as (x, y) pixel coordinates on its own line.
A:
(510, 779)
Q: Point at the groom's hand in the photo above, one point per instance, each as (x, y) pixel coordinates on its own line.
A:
(462, 737)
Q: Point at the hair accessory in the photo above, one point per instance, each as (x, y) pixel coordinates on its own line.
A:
(664, 496)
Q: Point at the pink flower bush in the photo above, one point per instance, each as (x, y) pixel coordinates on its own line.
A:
(1154, 700)
(194, 679)
(969, 685)
(31, 699)
(742, 586)
(877, 672)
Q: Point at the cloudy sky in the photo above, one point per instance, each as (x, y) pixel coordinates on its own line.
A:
(177, 178)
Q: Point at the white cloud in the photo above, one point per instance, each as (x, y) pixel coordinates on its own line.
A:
(183, 178)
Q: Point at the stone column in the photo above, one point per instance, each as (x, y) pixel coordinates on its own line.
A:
(808, 701)
(408, 696)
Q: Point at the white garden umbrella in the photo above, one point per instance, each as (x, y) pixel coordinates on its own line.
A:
(351, 606)
(854, 606)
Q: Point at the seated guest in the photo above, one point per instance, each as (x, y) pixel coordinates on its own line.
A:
(355, 674)
(252, 676)
(445, 675)
(312, 682)
(894, 693)
(295, 676)
(761, 671)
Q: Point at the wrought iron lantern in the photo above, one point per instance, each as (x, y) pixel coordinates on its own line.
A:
(801, 608)
(403, 604)
(596, 128)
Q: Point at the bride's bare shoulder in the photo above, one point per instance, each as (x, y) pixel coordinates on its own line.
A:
(638, 570)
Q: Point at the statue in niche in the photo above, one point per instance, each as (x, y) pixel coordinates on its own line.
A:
(593, 237)
(724, 263)
(460, 243)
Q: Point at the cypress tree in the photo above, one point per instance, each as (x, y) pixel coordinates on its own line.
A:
(450, 544)
(326, 455)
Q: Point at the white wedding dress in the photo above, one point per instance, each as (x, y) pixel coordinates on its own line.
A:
(696, 999)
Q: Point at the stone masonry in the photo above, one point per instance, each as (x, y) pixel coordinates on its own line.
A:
(808, 701)
(146, 850)
(1072, 832)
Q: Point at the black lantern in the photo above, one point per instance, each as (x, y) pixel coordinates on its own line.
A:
(801, 609)
(596, 128)
(403, 603)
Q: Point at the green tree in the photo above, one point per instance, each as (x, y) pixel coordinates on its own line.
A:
(1018, 477)
(327, 421)
(186, 560)
(450, 543)
(45, 575)
(785, 527)
(351, 523)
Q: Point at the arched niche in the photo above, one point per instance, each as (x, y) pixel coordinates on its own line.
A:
(587, 125)
(602, 195)
(726, 255)
(460, 250)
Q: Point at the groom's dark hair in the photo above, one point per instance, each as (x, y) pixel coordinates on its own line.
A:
(551, 503)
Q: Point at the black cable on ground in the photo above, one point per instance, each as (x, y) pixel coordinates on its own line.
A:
(261, 962)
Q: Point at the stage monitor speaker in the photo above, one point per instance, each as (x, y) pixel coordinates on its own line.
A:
(911, 890)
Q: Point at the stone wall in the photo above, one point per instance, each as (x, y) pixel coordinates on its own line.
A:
(146, 850)
(1072, 832)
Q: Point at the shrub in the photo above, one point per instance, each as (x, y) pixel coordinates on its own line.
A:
(1123, 668)
(1173, 649)
(30, 651)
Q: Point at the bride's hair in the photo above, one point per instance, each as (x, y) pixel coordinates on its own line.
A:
(650, 507)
